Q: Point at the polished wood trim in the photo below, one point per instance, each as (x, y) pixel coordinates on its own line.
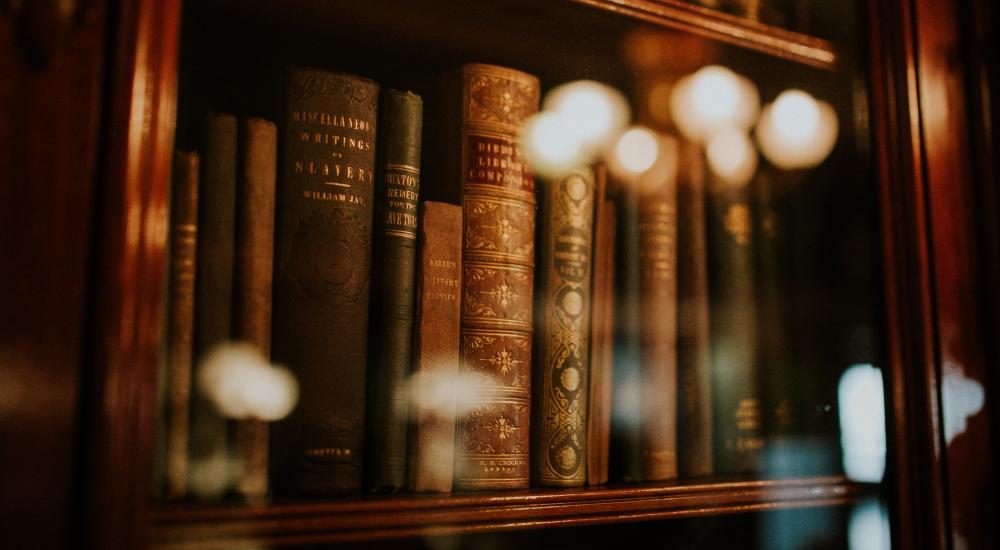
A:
(430, 515)
(49, 135)
(731, 29)
(128, 279)
(958, 287)
(916, 464)
(982, 18)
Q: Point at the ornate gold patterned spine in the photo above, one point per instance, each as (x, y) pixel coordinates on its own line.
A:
(498, 197)
(559, 448)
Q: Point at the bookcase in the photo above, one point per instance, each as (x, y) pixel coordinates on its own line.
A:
(102, 96)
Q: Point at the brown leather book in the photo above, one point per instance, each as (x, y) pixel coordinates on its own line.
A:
(183, 249)
(478, 163)
(562, 335)
(321, 279)
(694, 430)
(209, 445)
(601, 336)
(254, 270)
(435, 348)
(658, 322)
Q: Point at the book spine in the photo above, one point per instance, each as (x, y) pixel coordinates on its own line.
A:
(183, 250)
(321, 279)
(435, 348)
(658, 323)
(214, 298)
(562, 337)
(778, 380)
(736, 411)
(601, 334)
(392, 319)
(694, 434)
(498, 194)
(625, 459)
(253, 281)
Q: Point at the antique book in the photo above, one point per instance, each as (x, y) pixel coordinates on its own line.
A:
(214, 295)
(562, 332)
(478, 111)
(323, 261)
(694, 421)
(392, 297)
(436, 348)
(601, 334)
(183, 249)
(255, 196)
(657, 216)
(625, 462)
(736, 404)
(780, 381)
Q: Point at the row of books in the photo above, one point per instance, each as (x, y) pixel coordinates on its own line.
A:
(439, 340)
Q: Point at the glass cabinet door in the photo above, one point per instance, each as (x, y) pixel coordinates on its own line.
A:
(730, 274)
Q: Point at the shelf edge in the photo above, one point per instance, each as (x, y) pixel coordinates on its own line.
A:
(731, 29)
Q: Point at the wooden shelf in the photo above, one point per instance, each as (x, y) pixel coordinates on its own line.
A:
(732, 29)
(367, 518)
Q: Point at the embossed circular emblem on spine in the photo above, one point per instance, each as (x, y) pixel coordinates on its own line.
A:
(329, 257)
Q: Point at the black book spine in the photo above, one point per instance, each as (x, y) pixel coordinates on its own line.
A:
(626, 404)
(736, 411)
(323, 263)
(393, 295)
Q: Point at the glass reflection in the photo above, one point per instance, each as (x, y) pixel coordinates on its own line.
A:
(862, 423)
(797, 131)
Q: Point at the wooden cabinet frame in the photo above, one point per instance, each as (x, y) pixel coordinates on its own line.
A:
(922, 153)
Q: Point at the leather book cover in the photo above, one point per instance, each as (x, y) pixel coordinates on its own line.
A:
(625, 461)
(183, 249)
(255, 197)
(436, 348)
(398, 176)
(478, 112)
(214, 290)
(694, 422)
(321, 279)
(774, 340)
(562, 332)
(657, 215)
(736, 410)
(601, 336)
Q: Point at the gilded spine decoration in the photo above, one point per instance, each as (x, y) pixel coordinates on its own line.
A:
(563, 339)
(497, 269)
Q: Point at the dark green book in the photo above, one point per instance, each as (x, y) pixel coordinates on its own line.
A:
(213, 295)
(694, 400)
(777, 381)
(736, 411)
(401, 116)
(625, 463)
